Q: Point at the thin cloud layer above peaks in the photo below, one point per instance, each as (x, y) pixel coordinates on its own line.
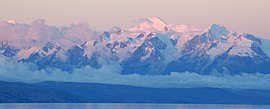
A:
(39, 33)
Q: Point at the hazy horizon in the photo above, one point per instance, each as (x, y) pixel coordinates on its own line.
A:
(248, 16)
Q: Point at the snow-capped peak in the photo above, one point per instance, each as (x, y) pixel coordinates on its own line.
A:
(184, 28)
(219, 31)
(156, 20)
(151, 25)
(219, 27)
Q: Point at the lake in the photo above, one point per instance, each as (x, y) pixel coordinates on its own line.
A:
(124, 106)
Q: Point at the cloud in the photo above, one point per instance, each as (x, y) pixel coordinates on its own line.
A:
(109, 74)
(38, 33)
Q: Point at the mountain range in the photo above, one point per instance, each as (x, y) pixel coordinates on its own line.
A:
(151, 47)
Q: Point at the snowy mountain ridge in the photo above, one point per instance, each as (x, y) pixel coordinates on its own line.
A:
(151, 47)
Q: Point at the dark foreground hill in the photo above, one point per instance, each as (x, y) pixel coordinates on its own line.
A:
(63, 92)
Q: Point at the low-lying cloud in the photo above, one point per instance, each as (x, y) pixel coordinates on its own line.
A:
(109, 74)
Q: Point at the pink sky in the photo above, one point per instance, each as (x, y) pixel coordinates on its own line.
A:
(249, 16)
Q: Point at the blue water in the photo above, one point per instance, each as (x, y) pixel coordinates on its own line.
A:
(125, 106)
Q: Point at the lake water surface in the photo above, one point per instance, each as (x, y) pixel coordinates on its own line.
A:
(124, 106)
